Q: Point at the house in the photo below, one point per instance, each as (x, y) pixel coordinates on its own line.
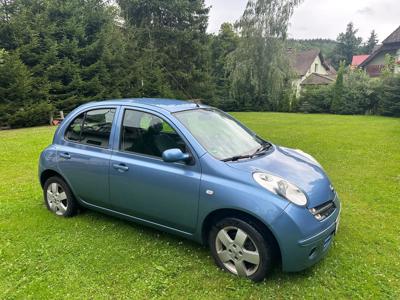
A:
(310, 68)
(358, 60)
(375, 62)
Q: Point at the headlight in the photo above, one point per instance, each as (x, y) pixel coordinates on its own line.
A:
(281, 187)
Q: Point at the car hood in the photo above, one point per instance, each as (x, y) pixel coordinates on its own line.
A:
(294, 167)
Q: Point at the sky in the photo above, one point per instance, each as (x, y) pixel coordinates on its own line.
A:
(322, 18)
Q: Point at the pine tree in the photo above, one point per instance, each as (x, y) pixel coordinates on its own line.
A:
(173, 46)
(15, 80)
(348, 45)
(15, 85)
(371, 43)
(73, 49)
(389, 96)
(338, 89)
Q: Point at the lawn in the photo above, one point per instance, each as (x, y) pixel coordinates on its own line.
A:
(97, 256)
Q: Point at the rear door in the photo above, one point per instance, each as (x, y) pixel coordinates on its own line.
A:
(142, 184)
(84, 154)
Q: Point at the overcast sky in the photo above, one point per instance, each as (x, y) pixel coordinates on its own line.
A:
(322, 18)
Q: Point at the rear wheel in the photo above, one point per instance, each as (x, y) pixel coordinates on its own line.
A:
(239, 248)
(58, 197)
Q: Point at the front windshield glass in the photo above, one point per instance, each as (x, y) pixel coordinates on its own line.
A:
(220, 135)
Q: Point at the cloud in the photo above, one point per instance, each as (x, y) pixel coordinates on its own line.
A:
(321, 18)
(224, 11)
(366, 11)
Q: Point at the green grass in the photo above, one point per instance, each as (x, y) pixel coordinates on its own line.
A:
(97, 256)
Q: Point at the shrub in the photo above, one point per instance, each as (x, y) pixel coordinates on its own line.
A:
(356, 95)
(389, 96)
(316, 99)
(35, 114)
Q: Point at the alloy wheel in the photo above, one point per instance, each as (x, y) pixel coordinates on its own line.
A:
(57, 199)
(237, 251)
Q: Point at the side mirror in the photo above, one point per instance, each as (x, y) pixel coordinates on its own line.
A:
(174, 155)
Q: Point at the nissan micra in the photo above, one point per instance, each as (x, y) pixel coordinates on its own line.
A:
(193, 170)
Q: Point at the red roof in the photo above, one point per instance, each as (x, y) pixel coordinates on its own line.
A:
(358, 59)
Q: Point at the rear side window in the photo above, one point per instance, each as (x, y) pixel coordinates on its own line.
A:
(92, 127)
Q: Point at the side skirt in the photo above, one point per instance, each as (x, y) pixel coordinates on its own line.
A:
(138, 220)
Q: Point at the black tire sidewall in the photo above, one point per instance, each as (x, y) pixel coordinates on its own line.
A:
(261, 243)
(72, 206)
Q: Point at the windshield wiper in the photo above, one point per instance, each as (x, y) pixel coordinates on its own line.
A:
(262, 149)
(237, 157)
(259, 151)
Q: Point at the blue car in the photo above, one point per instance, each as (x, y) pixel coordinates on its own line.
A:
(193, 170)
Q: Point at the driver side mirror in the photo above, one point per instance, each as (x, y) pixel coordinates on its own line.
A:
(175, 155)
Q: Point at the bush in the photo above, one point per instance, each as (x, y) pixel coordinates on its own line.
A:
(35, 114)
(389, 96)
(356, 94)
(316, 99)
(353, 93)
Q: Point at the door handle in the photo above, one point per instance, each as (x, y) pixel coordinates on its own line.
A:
(121, 167)
(65, 155)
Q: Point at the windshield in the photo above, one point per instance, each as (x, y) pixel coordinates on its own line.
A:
(219, 134)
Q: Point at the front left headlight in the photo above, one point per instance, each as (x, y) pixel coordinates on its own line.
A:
(281, 187)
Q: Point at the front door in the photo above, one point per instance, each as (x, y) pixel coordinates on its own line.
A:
(142, 184)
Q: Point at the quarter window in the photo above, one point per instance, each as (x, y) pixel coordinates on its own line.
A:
(148, 134)
(92, 127)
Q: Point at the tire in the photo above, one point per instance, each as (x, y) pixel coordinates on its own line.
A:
(59, 198)
(239, 247)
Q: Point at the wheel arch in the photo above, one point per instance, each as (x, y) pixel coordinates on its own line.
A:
(220, 214)
(46, 174)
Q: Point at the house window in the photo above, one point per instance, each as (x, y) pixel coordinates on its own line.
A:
(315, 68)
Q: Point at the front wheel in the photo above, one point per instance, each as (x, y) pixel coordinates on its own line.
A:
(58, 197)
(239, 248)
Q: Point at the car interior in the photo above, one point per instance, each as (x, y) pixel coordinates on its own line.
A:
(94, 128)
(148, 134)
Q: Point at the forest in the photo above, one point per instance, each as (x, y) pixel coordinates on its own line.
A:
(56, 55)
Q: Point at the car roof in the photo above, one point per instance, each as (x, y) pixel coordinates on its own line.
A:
(171, 105)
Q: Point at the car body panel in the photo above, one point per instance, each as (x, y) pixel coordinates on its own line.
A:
(178, 197)
(240, 196)
(291, 166)
(299, 234)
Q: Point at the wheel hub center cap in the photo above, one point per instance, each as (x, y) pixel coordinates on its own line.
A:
(235, 252)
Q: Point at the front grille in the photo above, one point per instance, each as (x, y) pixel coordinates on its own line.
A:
(323, 211)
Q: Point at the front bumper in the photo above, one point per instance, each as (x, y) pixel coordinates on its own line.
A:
(302, 239)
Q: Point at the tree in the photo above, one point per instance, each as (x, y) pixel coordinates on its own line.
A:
(259, 69)
(15, 79)
(222, 45)
(389, 96)
(15, 83)
(173, 46)
(348, 45)
(337, 96)
(371, 43)
(72, 48)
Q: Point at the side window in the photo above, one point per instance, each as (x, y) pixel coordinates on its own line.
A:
(74, 130)
(148, 134)
(92, 127)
